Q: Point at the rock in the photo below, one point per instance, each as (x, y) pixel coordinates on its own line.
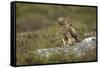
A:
(78, 50)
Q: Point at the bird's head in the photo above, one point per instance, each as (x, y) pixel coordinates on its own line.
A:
(61, 20)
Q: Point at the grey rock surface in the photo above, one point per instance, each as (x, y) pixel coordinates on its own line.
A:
(79, 49)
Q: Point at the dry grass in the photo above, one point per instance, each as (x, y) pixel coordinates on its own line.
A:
(37, 27)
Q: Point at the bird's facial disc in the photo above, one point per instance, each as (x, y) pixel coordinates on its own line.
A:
(61, 20)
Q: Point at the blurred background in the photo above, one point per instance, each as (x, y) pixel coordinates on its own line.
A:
(37, 27)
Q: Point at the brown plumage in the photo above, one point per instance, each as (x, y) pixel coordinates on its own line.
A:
(67, 30)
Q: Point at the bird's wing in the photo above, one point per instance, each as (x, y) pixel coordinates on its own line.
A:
(73, 32)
